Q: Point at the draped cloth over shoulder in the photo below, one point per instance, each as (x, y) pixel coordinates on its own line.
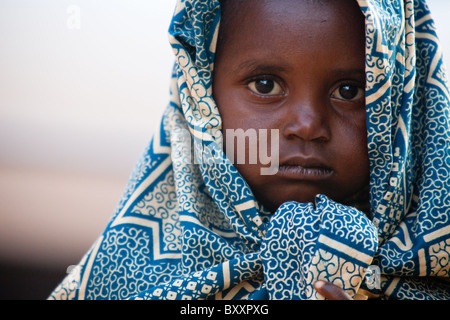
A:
(189, 227)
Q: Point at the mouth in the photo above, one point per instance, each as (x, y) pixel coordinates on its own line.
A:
(307, 169)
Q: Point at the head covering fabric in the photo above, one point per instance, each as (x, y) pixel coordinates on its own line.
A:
(189, 227)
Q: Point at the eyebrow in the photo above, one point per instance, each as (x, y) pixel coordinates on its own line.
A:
(355, 73)
(253, 66)
(352, 71)
(266, 66)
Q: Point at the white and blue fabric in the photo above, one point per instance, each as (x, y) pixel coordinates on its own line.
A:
(189, 227)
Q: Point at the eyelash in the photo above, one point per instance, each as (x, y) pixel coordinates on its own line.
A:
(360, 94)
(251, 85)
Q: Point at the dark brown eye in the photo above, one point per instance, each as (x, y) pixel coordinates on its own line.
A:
(348, 92)
(265, 87)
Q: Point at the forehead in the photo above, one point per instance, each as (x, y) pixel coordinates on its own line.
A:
(325, 31)
(291, 16)
(235, 6)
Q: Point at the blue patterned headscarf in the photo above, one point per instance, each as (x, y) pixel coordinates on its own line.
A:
(189, 227)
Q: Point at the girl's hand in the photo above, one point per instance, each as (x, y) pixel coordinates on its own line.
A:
(330, 291)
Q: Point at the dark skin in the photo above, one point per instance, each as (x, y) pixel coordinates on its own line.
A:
(330, 291)
(299, 67)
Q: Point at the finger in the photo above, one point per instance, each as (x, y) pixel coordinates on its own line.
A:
(330, 291)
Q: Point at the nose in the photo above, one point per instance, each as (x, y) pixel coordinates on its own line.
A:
(307, 121)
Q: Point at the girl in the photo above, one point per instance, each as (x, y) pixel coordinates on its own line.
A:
(357, 94)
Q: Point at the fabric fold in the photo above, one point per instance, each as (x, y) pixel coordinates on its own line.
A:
(189, 227)
(304, 244)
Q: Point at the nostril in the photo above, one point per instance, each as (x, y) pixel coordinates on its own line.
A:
(321, 139)
(308, 129)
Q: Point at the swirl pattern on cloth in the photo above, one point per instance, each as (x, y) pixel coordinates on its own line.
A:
(189, 227)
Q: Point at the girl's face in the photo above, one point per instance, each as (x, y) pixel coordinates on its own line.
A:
(297, 66)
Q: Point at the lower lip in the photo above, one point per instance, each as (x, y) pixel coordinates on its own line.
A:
(301, 173)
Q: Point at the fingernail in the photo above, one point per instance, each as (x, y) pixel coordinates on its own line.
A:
(319, 284)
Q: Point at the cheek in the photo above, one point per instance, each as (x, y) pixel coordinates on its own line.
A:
(237, 120)
(353, 126)
(360, 134)
(353, 142)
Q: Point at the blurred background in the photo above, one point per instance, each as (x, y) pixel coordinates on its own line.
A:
(82, 87)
